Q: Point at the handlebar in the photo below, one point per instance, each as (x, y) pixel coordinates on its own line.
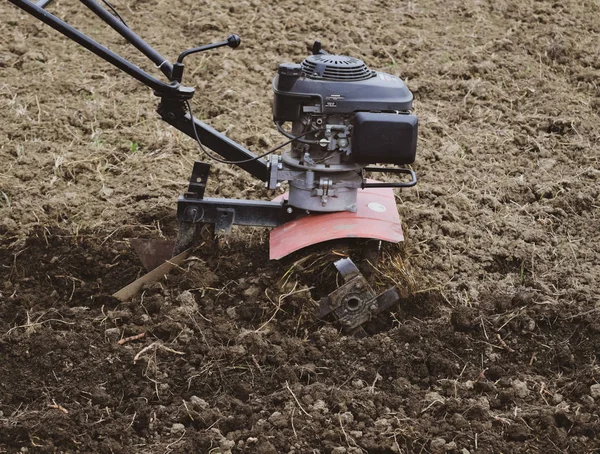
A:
(171, 90)
(172, 107)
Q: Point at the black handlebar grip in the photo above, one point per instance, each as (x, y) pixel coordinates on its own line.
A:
(233, 41)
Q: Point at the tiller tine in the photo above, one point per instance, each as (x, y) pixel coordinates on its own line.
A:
(355, 302)
(152, 253)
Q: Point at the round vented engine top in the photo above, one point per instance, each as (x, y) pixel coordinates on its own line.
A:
(336, 67)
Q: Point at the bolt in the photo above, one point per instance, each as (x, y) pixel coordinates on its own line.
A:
(374, 307)
(289, 210)
(193, 213)
(280, 166)
(346, 322)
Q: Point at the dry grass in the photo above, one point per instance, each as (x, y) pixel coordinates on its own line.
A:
(32, 325)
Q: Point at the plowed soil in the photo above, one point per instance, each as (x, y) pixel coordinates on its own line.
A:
(495, 346)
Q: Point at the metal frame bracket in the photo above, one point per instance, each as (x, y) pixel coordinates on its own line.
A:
(194, 208)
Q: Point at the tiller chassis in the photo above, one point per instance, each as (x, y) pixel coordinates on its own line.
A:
(344, 118)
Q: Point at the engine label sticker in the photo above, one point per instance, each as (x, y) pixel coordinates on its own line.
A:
(388, 77)
(332, 100)
(377, 207)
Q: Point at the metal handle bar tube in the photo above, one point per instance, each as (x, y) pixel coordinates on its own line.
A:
(43, 3)
(161, 62)
(164, 89)
(224, 146)
(175, 113)
(400, 170)
(232, 41)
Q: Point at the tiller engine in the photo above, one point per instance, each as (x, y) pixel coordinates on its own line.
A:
(339, 118)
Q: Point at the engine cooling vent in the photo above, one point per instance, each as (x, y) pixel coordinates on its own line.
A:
(336, 67)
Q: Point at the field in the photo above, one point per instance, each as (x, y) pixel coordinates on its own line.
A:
(495, 346)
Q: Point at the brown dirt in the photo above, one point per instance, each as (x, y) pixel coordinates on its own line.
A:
(494, 347)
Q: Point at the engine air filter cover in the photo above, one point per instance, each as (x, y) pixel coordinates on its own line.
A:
(384, 138)
(335, 84)
(336, 67)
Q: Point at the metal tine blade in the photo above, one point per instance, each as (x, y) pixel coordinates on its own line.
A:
(152, 253)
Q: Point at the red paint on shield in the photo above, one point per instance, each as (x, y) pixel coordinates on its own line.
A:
(376, 217)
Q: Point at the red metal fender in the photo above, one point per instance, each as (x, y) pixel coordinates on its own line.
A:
(376, 217)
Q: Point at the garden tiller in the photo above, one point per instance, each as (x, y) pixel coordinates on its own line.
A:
(339, 118)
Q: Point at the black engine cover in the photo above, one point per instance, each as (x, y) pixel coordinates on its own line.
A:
(335, 85)
(385, 138)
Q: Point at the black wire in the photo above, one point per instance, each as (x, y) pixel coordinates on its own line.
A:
(224, 161)
(279, 127)
(112, 8)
